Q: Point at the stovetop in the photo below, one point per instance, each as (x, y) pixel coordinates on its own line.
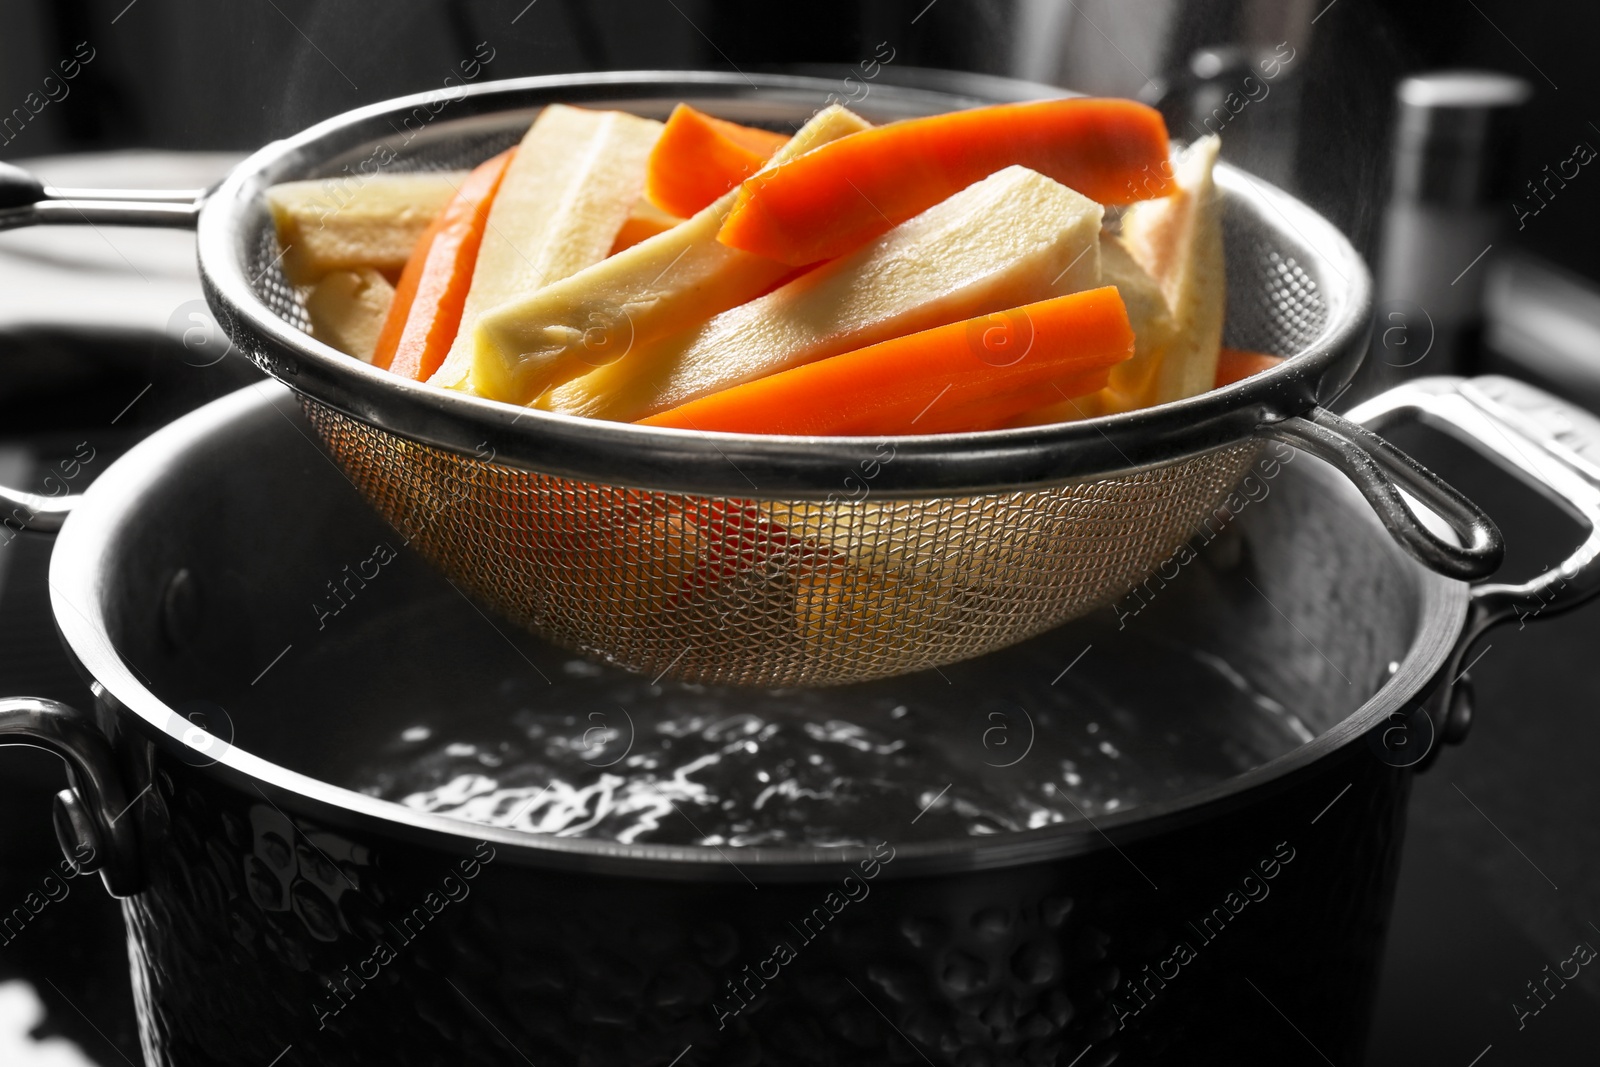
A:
(1502, 867)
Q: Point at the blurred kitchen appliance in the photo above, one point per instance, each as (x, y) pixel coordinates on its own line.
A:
(1452, 137)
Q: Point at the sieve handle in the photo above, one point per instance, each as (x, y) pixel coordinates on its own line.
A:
(27, 201)
(1380, 471)
(32, 511)
(1550, 445)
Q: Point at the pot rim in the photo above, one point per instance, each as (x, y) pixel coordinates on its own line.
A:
(79, 583)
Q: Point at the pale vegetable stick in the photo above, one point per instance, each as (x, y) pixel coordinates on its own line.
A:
(658, 287)
(1178, 241)
(1153, 332)
(347, 309)
(348, 223)
(1008, 240)
(575, 178)
(1149, 315)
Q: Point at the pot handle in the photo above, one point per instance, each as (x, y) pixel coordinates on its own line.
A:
(1380, 471)
(34, 511)
(91, 816)
(1549, 444)
(27, 201)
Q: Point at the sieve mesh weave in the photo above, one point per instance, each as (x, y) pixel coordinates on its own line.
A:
(761, 592)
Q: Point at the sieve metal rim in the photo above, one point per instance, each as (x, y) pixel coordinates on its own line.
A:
(749, 466)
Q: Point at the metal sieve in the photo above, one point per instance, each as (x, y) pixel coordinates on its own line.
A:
(770, 560)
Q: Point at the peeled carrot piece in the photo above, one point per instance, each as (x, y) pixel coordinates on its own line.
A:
(735, 538)
(842, 195)
(698, 158)
(1001, 410)
(1233, 365)
(992, 365)
(426, 311)
(1236, 364)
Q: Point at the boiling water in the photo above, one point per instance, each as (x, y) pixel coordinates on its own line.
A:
(985, 747)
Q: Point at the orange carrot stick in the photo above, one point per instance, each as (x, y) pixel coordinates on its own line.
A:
(1236, 364)
(426, 312)
(981, 372)
(698, 158)
(997, 412)
(840, 196)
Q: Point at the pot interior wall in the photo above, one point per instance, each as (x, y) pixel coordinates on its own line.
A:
(255, 580)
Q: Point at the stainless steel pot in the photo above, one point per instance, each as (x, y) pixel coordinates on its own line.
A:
(277, 916)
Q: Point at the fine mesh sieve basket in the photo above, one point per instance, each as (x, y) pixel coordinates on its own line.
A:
(770, 560)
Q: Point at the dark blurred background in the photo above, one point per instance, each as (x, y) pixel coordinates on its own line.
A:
(232, 75)
(1493, 888)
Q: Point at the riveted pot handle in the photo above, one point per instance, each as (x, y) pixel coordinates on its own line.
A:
(1381, 471)
(1550, 445)
(92, 821)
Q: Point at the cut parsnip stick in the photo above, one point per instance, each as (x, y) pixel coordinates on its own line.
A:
(350, 223)
(1008, 240)
(1151, 318)
(575, 178)
(661, 286)
(347, 309)
(1178, 241)
(1131, 381)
